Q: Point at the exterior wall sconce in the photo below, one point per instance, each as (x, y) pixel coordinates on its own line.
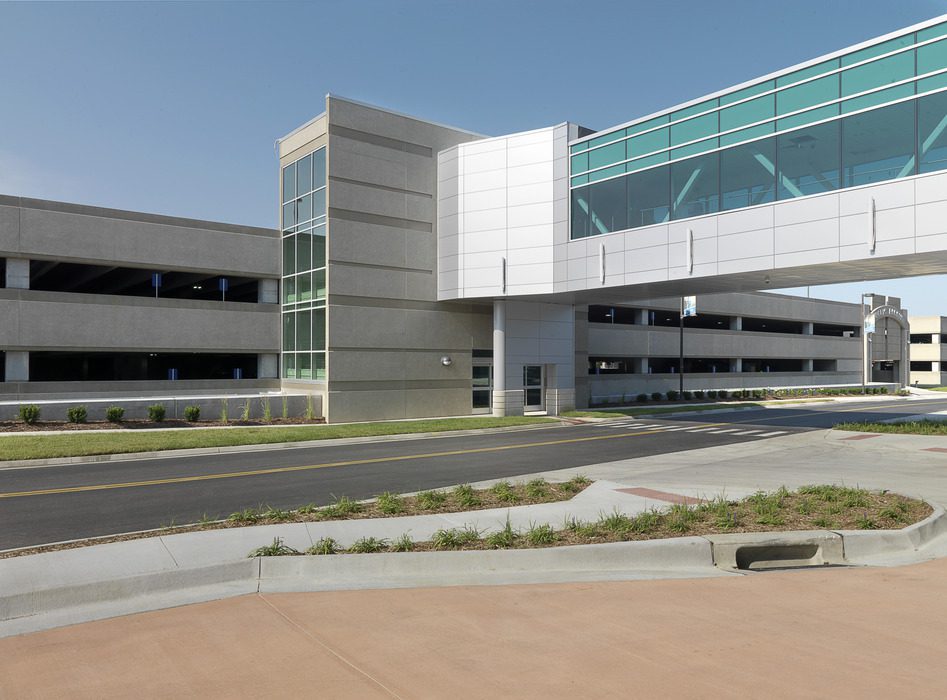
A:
(446, 361)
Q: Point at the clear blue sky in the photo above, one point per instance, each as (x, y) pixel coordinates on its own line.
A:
(174, 107)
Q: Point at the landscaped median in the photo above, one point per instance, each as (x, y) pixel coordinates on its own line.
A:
(84, 444)
(914, 427)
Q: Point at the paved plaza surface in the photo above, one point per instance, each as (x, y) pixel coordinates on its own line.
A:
(840, 633)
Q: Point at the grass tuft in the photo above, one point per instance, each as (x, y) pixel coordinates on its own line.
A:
(276, 549)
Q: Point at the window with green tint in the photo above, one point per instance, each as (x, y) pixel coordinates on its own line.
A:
(649, 197)
(607, 172)
(932, 32)
(289, 290)
(607, 155)
(318, 204)
(576, 147)
(304, 286)
(648, 143)
(580, 212)
(606, 138)
(694, 148)
(646, 162)
(319, 284)
(608, 206)
(878, 73)
(304, 360)
(813, 115)
(748, 112)
(303, 252)
(935, 82)
(748, 175)
(932, 57)
(319, 365)
(304, 330)
(694, 109)
(304, 175)
(580, 163)
(747, 134)
(319, 169)
(289, 331)
(579, 180)
(808, 161)
(289, 183)
(289, 255)
(807, 94)
(289, 366)
(876, 98)
(747, 92)
(878, 145)
(304, 208)
(932, 132)
(693, 129)
(694, 186)
(650, 124)
(289, 215)
(878, 49)
(318, 329)
(809, 72)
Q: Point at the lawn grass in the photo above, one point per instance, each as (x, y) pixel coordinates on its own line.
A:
(39, 446)
(916, 427)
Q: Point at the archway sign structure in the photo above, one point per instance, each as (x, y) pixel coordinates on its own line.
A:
(886, 310)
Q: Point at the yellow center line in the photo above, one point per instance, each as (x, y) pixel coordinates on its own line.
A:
(327, 465)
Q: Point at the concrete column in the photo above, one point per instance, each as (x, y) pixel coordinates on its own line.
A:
(737, 365)
(505, 402)
(808, 328)
(268, 292)
(736, 323)
(935, 338)
(935, 366)
(807, 366)
(18, 273)
(641, 365)
(267, 366)
(641, 317)
(17, 365)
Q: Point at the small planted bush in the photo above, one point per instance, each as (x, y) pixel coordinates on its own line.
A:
(245, 414)
(192, 414)
(277, 549)
(114, 414)
(156, 412)
(642, 398)
(699, 394)
(29, 414)
(326, 545)
(266, 410)
(369, 545)
(687, 395)
(722, 394)
(656, 396)
(77, 414)
(672, 395)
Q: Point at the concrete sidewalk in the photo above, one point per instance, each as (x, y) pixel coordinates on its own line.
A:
(840, 633)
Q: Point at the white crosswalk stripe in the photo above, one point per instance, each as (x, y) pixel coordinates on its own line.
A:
(747, 432)
(725, 430)
(772, 434)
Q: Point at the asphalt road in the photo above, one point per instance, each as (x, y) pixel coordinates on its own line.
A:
(51, 504)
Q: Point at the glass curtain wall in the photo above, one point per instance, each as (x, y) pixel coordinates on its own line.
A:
(303, 223)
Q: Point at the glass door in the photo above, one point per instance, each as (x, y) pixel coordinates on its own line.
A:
(533, 388)
(482, 387)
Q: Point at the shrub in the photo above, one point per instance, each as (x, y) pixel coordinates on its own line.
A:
(390, 503)
(430, 500)
(77, 414)
(699, 394)
(368, 545)
(114, 414)
(277, 549)
(29, 413)
(156, 412)
(656, 396)
(326, 545)
(722, 394)
(192, 414)
(688, 395)
(672, 395)
(642, 398)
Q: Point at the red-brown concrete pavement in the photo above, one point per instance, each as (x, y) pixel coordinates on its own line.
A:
(830, 633)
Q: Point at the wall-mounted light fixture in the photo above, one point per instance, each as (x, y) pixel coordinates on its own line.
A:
(446, 361)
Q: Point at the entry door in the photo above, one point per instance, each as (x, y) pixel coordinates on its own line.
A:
(533, 387)
(482, 387)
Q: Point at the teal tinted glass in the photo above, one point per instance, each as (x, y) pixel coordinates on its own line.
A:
(932, 132)
(606, 138)
(878, 145)
(304, 175)
(935, 82)
(808, 161)
(579, 180)
(319, 365)
(809, 72)
(318, 329)
(289, 182)
(304, 286)
(303, 330)
(648, 143)
(747, 134)
(607, 172)
(695, 148)
(807, 94)
(748, 112)
(932, 57)
(289, 215)
(303, 252)
(289, 331)
(748, 175)
(932, 32)
(319, 284)
(878, 49)
(694, 187)
(579, 163)
(813, 115)
(607, 155)
(576, 147)
(878, 73)
(608, 206)
(319, 169)
(693, 129)
(318, 247)
(289, 255)
(289, 365)
(650, 124)
(580, 212)
(694, 109)
(304, 368)
(747, 92)
(877, 98)
(304, 208)
(647, 161)
(318, 203)
(648, 197)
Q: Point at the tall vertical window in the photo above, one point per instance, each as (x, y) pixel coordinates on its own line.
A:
(303, 223)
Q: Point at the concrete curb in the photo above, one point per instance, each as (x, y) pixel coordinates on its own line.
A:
(199, 451)
(80, 595)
